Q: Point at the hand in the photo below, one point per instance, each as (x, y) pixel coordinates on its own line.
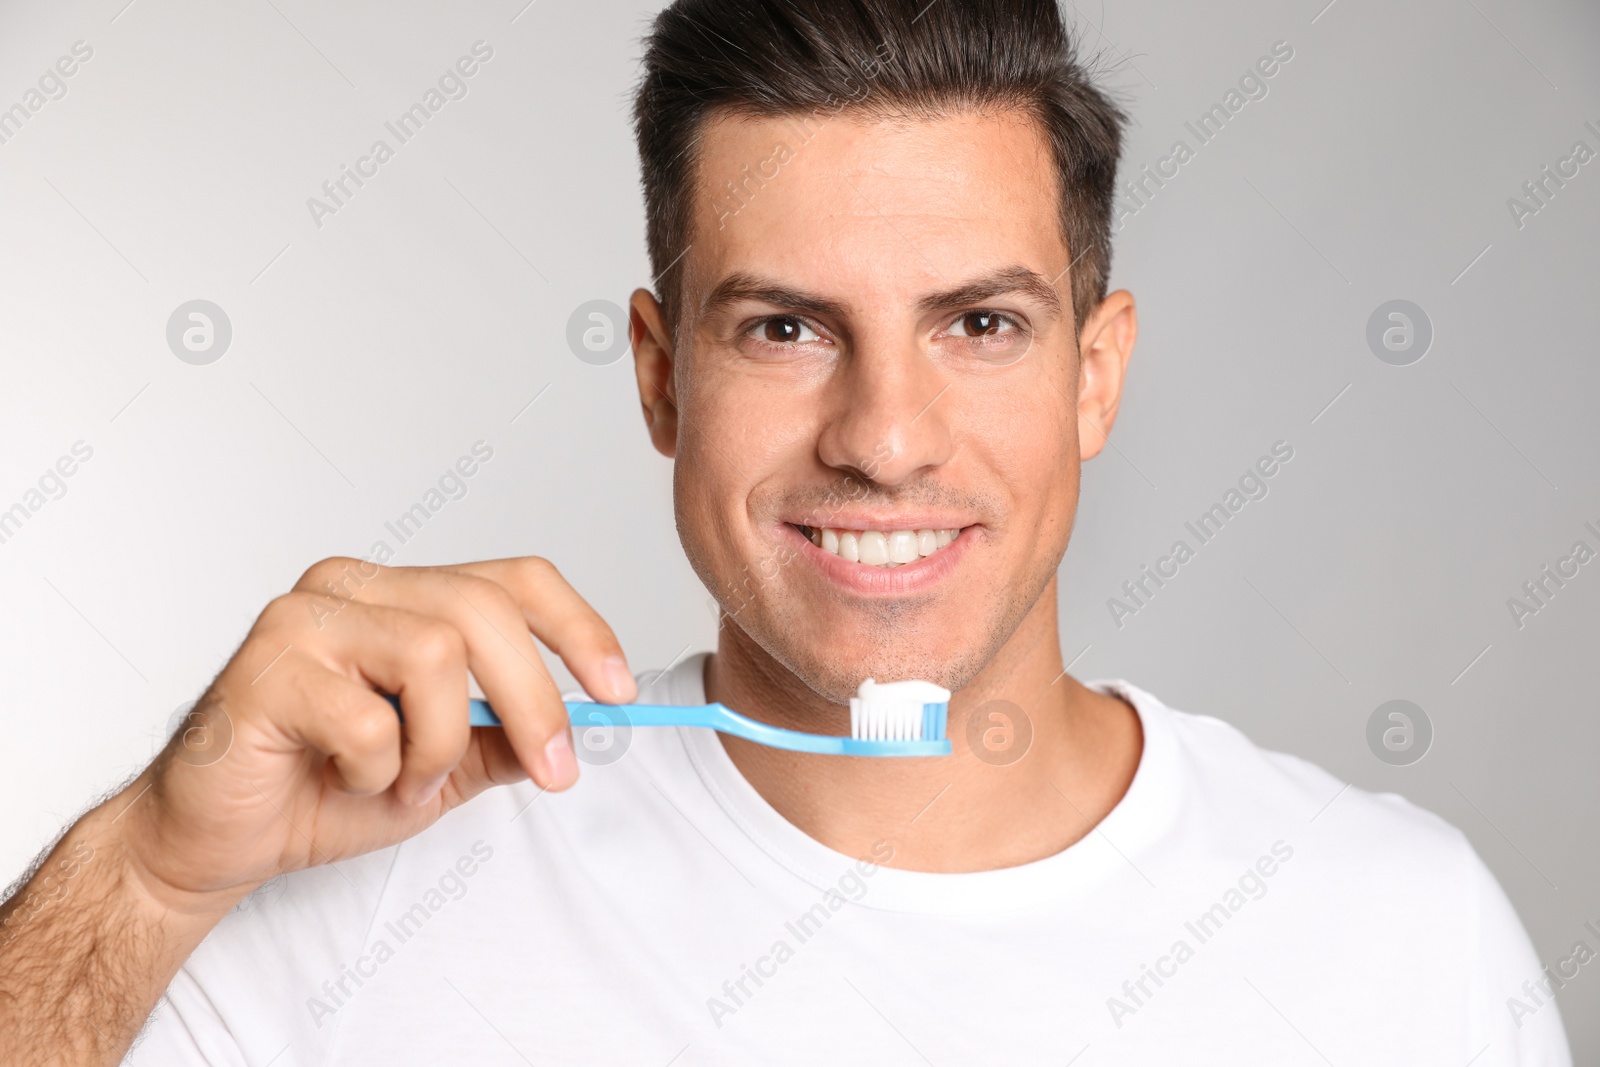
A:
(292, 758)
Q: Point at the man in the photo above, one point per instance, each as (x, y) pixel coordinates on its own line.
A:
(881, 347)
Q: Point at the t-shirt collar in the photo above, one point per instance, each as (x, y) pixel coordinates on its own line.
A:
(1110, 852)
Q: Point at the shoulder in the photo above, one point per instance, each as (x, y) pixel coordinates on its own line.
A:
(1366, 883)
(1241, 789)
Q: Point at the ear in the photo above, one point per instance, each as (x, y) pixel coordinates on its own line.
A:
(652, 365)
(1104, 348)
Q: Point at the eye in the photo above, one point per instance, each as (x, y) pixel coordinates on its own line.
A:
(983, 324)
(785, 329)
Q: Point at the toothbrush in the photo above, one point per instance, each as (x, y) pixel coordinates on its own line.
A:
(887, 719)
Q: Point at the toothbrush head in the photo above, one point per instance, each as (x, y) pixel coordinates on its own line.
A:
(910, 711)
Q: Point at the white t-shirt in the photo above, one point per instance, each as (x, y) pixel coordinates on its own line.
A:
(1237, 907)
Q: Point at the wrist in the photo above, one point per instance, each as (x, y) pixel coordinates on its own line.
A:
(127, 844)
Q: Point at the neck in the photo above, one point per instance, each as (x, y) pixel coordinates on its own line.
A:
(1038, 759)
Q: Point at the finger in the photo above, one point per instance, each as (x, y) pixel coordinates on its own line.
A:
(420, 658)
(347, 722)
(500, 653)
(506, 662)
(490, 761)
(565, 622)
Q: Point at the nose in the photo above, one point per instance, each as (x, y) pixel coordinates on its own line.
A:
(887, 420)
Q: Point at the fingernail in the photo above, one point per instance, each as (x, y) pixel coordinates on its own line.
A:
(428, 791)
(619, 678)
(560, 761)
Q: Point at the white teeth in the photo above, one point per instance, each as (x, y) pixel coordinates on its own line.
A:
(874, 548)
(878, 548)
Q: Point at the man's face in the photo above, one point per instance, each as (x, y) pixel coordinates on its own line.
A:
(876, 340)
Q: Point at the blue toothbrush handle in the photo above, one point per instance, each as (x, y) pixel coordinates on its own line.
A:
(717, 717)
(584, 713)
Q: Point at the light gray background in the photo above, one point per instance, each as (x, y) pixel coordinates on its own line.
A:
(369, 354)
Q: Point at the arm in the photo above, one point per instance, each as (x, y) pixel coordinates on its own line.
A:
(86, 946)
(290, 760)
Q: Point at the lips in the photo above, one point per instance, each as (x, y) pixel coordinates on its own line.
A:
(889, 579)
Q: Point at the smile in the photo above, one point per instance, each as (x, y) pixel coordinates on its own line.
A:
(879, 548)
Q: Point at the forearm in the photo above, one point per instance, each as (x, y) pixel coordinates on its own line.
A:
(88, 945)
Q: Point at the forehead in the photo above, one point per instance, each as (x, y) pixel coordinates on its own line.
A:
(858, 206)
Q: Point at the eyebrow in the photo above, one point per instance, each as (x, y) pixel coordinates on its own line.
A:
(1016, 279)
(743, 285)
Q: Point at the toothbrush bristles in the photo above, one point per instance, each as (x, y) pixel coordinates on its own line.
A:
(898, 711)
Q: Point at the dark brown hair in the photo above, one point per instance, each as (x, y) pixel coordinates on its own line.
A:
(915, 58)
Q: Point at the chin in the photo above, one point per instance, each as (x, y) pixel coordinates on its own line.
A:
(833, 667)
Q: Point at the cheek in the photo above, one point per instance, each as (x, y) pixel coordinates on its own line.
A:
(1059, 427)
(1027, 433)
(736, 438)
(1034, 469)
(742, 431)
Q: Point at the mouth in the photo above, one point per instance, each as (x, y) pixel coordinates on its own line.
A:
(884, 549)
